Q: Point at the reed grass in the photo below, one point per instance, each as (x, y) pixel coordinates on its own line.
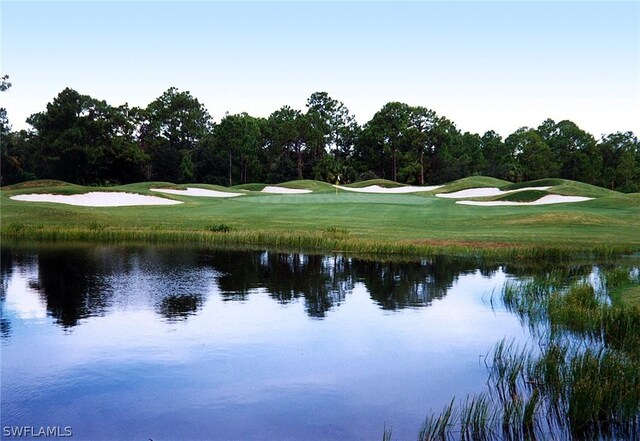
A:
(582, 381)
(330, 239)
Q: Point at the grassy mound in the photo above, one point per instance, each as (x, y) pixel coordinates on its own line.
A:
(254, 186)
(307, 184)
(208, 187)
(471, 182)
(520, 196)
(564, 187)
(37, 184)
(575, 188)
(380, 182)
(550, 182)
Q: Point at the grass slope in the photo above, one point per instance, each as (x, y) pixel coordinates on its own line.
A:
(385, 183)
(366, 222)
(520, 196)
(254, 186)
(307, 184)
(472, 182)
(575, 188)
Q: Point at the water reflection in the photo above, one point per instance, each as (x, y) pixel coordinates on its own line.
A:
(75, 283)
(179, 307)
(184, 343)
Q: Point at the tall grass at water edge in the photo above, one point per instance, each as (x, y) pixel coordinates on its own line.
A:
(328, 240)
(581, 381)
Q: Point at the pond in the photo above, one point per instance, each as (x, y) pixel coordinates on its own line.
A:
(119, 342)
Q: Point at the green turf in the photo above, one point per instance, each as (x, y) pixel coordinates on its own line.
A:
(609, 221)
(471, 182)
(574, 188)
(380, 182)
(307, 184)
(251, 187)
(520, 196)
(548, 182)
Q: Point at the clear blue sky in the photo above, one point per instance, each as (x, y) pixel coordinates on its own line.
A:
(484, 65)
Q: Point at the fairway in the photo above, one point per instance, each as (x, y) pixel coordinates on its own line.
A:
(609, 220)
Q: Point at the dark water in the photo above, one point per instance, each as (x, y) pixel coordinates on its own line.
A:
(177, 344)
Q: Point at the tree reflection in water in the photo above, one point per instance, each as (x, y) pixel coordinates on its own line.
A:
(80, 282)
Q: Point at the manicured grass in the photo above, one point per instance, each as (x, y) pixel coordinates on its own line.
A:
(573, 188)
(472, 182)
(549, 182)
(203, 186)
(251, 187)
(379, 182)
(520, 196)
(392, 222)
(307, 184)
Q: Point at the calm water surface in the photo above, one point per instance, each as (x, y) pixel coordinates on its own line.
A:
(177, 344)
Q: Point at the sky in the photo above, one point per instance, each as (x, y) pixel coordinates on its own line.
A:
(484, 65)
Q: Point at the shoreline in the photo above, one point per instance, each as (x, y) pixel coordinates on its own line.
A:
(326, 242)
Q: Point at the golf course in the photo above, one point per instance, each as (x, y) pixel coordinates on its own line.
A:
(544, 217)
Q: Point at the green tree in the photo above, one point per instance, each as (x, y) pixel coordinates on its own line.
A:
(171, 128)
(385, 137)
(447, 156)
(534, 156)
(84, 140)
(10, 164)
(14, 155)
(621, 161)
(499, 159)
(569, 144)
(331, 127)
(423, 138)
(239, 137)
(286, 144)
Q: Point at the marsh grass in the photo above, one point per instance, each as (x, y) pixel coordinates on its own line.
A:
(439, 426)
(330, 239)
(581, 381)
(219, 228)
(386, 433)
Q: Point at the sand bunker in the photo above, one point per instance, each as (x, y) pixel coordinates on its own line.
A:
(545, 200)
(483, 191)
(283, 190)
(394, 190)
(192, 191)
(97, 199)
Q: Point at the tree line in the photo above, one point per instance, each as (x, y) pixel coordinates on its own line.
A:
(87, 141)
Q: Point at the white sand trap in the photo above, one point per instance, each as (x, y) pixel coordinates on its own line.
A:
(283, 190)
(394, 190)
(484, 191)
(97, 199)
(544, 200)
(203, 192)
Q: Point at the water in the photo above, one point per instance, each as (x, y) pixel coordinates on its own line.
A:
(183, 343)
